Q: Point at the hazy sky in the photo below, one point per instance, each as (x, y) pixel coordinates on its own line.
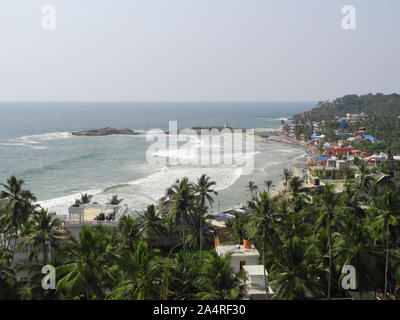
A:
(196, 50)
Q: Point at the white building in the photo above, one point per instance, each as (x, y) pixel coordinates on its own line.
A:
(239, 255)
(92, 215)
(256, 282)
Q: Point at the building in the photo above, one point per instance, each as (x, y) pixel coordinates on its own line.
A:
(333, 169)
(246, 258)
(240, 256)
(372, 139)
(92, 215)
(339, 151)
(25, 252)
(256, 282)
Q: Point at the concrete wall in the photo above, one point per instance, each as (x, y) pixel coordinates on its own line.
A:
(235, 261)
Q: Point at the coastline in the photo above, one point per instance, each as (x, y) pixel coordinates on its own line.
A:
(275, 156)
(297, 165)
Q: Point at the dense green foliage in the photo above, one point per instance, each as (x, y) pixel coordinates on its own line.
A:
(304, 243)
(382, 120)
(370, 104)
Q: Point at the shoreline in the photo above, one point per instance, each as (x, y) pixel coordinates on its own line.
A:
(295, 167)
(229, 202)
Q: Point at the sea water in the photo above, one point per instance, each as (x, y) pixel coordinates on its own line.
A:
(36, 145)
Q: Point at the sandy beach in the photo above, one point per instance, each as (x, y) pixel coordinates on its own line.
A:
(297, 165)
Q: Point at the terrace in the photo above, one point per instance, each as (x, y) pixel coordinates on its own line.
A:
(93, 214)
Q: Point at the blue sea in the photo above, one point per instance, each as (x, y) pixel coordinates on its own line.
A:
(36, 145)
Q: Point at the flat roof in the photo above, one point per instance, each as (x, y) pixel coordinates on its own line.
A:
(236, 250)
(255, 270)
(90, 214)
(326, 168)
(257, 291)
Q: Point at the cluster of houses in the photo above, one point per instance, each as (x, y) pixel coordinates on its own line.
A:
(340, 161)
(336, 160)
(353, 118)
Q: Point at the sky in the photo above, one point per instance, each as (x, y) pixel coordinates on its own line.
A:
(197, 50)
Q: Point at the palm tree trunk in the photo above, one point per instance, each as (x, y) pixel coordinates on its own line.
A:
(201, 228)
(386, 266)
(201, 237)
(15, 245)
(184, 245)
(44, 253)
(330, 263)
(265, 274)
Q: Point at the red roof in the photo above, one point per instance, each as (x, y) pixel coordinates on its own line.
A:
(340, 151)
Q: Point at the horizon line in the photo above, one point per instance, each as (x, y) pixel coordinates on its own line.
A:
(159, 101)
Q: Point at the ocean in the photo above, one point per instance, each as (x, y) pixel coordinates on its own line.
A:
(36, 145)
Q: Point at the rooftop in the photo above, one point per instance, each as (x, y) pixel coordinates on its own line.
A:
(236, 250)
(255, 270)
(95, 212)
(325, 168)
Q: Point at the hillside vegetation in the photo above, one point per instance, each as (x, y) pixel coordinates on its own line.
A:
(382, 120)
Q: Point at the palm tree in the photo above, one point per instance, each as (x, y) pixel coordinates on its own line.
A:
(85, 199)
(287, 174)
(293, 223)
(217, 280)
(88, 267)
(129, 230)
(295, 271)
(269, 184)
(5, 263)
(115, 200)
(388, 208)
(19, 203)
(364, 182)
(182, 195)
(32, 286)
(252, 189)
(239, 226)
(295, 184)
(150, 224)
(9, 284)
(355, 246)
(328, 202)
(205, 232)
(142, 273)
(40, 231)
(261, 225)
(5, 226)
(204, 190)
(182, 284)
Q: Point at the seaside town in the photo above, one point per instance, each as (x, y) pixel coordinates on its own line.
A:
(332, 161)
(337, 208)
